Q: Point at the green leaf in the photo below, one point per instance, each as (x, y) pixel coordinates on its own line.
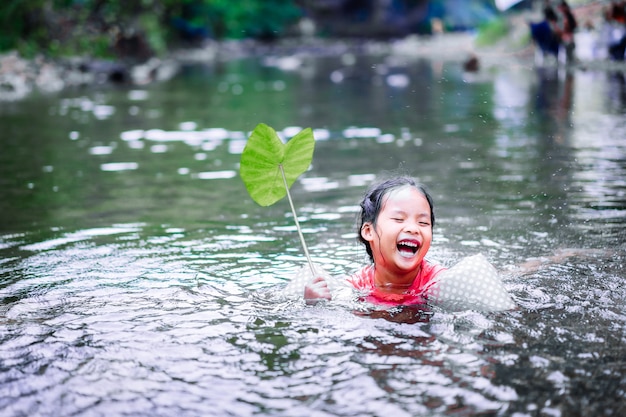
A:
(263, 156)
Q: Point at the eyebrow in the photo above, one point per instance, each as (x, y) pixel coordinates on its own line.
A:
(399, 211)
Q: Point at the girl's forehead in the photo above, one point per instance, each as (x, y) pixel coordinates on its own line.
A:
(405, 195)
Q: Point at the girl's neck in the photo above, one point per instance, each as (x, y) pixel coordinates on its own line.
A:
(394, 286)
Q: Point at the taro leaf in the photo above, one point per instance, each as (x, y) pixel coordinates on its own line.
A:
(263, 157)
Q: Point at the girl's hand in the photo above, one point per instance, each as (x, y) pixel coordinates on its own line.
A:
(316, 290)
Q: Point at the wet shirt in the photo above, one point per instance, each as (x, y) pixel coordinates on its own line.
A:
(363, 281)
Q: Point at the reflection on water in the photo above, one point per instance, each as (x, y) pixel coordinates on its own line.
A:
(136, 274)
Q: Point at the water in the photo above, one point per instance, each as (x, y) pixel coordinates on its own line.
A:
(136, 273)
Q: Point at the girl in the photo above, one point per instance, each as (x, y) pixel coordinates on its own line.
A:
(396, 227)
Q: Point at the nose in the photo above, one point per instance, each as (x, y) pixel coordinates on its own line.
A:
(411, 227)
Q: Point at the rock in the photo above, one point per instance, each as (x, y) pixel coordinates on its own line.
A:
(471, 64)
(13, 87)
(153, 70)
(15, 76)
(106, 71)
(49, 78)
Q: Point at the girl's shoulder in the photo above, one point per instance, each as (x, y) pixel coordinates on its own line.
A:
(432, 268)
(427, 273)
(363, 278)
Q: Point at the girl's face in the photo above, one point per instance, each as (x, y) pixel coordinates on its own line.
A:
(403, 232)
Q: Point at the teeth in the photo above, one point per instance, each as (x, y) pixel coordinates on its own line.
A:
(408, 248)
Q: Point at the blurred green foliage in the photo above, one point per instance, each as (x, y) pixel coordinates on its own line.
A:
(136, 28)
(260, 19)
(492, 31)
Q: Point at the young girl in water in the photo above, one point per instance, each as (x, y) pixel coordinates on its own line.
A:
(396, 226)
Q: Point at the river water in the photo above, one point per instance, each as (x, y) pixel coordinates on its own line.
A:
(135, 269)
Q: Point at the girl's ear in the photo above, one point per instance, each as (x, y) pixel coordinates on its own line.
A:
(367, 231)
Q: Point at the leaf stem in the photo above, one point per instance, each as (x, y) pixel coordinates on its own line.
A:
(295, 218)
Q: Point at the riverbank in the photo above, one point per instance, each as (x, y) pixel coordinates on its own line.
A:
(20, 77)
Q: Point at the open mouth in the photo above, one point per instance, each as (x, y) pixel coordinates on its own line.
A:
(408, 247)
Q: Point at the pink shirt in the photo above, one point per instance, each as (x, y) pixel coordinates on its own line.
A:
(363, 281)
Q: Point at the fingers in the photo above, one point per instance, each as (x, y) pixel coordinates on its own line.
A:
(317, 290)
(321, 285)
(323, 292)
(318, 279)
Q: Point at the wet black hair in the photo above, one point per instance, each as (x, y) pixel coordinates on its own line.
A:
(374, 198)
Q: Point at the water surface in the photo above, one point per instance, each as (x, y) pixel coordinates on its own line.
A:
(134, 268)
